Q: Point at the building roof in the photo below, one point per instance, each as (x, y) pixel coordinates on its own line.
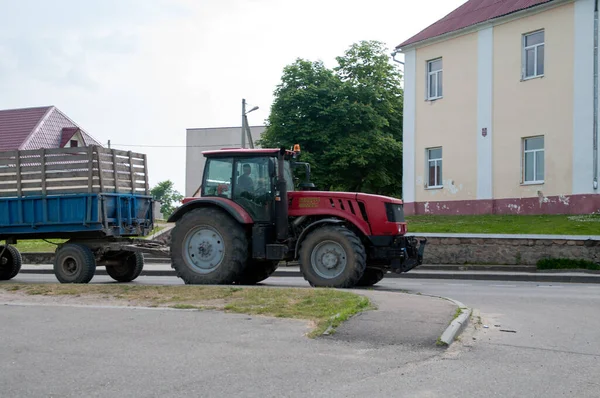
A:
(40, 127)
(471, 13)
(17, 124)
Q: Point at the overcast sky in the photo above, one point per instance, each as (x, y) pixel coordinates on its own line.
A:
(139, 72)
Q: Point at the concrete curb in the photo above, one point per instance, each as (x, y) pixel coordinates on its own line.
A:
(458, 324)
(458, 275)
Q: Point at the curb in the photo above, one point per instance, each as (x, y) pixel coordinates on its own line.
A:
(458, 324)
(459, 275)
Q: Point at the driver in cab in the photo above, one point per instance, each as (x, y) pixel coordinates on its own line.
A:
(244, 182)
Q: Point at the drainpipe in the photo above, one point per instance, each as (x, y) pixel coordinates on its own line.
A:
(595, 146)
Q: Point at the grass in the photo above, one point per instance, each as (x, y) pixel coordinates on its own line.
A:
(566, 263)
(507, 224)
(326, 308)
(38, 245)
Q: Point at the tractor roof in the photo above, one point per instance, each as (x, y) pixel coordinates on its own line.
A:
(244, 152)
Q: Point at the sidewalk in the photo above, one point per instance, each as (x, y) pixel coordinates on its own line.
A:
(471, 272)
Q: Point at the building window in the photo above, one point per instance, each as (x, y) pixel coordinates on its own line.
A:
(533, 55)
(533, 160)
(73, 143)
(434, 79)
(434, 168)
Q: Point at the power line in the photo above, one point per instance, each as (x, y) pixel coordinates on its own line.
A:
(171, 146)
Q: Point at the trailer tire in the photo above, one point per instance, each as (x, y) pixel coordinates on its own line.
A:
(208, 247)
(132, 264)
(257, 271)
(371, 277)
(74, 263)
(12, 266)
(332, 256)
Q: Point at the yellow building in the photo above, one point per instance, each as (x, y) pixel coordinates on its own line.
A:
(499, 110)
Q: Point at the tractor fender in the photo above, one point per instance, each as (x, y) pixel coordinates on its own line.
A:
(233, 209)
(312, 227)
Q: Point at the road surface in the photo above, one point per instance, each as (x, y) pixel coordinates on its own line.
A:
(540, 340)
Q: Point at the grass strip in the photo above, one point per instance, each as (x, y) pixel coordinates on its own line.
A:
(507, 224)
(326, 308)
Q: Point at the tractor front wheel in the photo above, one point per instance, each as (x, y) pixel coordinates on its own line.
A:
(371, 277)
(332, 256)
(208, 247)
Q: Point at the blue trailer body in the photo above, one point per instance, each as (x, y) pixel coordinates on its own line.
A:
(74, 193)
(76, 215)
(97, 199)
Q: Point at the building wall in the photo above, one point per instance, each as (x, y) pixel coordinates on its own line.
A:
(449, 122)
(538, 106)
(204, 139)
(487, 109)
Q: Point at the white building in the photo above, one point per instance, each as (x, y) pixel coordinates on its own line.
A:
(205, 139)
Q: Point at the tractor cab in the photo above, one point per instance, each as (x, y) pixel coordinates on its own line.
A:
(248, 177)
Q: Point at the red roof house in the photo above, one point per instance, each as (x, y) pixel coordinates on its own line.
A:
(471, 13)
(41, 127)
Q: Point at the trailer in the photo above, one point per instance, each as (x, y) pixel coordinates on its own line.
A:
(95, 199)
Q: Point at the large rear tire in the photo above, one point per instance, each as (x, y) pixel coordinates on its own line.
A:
(332, 256)
(371, 277)
(208, 247)
(257, 271)
(10, 263)
(130, 267)
(74, 263)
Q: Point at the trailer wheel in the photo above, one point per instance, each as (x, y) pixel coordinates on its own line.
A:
(332, 256)
(208, 247)
(371, 277)
(257, 271)
(10, 262)
(74, 263)
(132, 264)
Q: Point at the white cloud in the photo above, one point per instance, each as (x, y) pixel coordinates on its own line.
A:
(140, 72)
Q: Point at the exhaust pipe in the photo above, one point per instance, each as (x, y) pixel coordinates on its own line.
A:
(281, 200)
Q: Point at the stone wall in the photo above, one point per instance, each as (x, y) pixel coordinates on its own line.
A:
(457, 250)
(506, 251)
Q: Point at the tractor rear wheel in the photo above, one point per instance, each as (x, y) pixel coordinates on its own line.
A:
(332, 256)
(208, 247)
(10, 262)
(371, 277)
(130, 267)
(257, 271)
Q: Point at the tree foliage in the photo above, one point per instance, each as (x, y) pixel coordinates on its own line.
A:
(163, 192)
(348, 119)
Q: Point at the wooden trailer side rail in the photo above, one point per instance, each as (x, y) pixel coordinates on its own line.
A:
(92, 169)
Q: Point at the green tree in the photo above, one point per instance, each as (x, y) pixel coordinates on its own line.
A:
(164, 193)
(348, 120)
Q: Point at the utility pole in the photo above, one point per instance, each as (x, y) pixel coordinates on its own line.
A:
(243, 123)
(108, 144)
(246, 126)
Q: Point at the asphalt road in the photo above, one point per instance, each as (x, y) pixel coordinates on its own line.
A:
(541, 340)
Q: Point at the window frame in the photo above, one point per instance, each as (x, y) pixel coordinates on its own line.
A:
(535, 47)
(535, 152)
(437, 74)
(428, 160)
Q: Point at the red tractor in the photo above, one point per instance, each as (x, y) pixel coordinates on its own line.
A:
(249, 218)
